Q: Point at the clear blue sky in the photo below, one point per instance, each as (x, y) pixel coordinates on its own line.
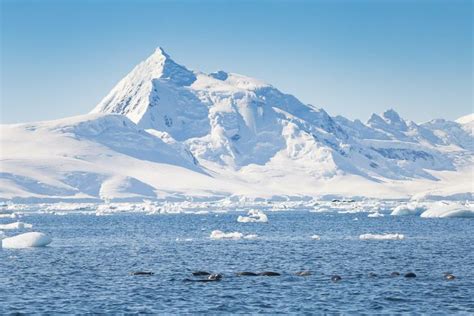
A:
(59, 58)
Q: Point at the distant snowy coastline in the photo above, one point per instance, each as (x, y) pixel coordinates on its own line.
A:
(375, 209)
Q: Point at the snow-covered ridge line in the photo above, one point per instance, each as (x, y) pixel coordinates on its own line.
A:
(169, 133)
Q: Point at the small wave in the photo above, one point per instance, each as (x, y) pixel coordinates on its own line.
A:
(217, 234)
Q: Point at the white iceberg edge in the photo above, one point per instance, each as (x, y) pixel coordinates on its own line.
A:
(16, 225)
(26, 240)
(254, 216)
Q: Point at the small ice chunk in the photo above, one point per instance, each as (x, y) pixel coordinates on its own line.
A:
(201, 212)
(184, 239)
(316, 237)
(16, 225)
(217, 234)
(254, 216)
(251, 236)
(408, 209)
(376, 214)
(382, 237)
(27, 240)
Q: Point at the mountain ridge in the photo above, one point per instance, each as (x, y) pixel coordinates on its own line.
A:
(233, 129)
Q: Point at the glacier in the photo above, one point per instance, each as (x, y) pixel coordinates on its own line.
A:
(165, 132)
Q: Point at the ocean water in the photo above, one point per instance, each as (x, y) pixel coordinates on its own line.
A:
(87, 267)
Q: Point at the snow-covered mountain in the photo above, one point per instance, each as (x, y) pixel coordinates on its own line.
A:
(165, 130)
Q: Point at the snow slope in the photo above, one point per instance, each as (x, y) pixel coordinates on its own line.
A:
(95, 156)
(166, 131)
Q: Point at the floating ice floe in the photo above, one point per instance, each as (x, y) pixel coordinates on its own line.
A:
(27, 240)
(201, 212)
(316, 237)
(16, 225)
(443, 210)
(254, 216)
(217, 234)
(12, 215)
(408, 209)
(184, 239)
(382, 237)
(376, 214)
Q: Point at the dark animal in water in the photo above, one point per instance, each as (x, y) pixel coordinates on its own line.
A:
(269, 273)
(201, 273)
(336, 278)
(372, 275)
(211, 278)
(449, 276)
(246, 273)
(395, 274)
(303, 273)
(410, 275)
(141, 273)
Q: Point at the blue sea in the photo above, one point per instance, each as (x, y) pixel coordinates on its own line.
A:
(87, 268)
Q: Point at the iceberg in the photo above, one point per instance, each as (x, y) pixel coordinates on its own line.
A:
(27, 240)
(442, 210)
(16, 225)
(408, 209)
(254, 216)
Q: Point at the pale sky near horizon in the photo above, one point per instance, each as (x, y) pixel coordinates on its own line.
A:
(352, 58)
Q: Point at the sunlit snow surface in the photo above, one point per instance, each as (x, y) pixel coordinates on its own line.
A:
(87, 267)
(165, 132)
(26, 240)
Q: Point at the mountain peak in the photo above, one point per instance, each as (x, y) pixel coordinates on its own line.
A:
(391, 115)
(163, 67)
(389, 119)
(160, 53)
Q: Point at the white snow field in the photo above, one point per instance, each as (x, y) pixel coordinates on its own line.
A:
(165, 132)
(26, 240)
